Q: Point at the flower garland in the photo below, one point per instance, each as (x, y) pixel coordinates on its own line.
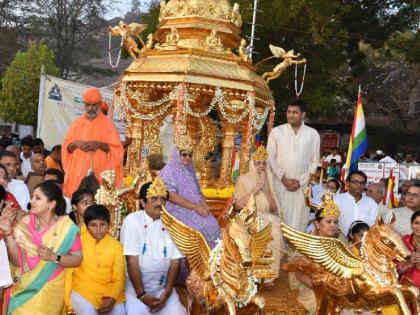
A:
(138, 115)
(183, 98)
(383, 282)
(219, 284)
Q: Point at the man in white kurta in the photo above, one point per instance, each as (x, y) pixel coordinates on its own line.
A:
(354, 204)
(149, 288)
(293, 150)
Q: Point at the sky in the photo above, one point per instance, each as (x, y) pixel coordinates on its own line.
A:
(121, 7)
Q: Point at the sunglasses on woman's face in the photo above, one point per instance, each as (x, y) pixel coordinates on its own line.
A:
(185, 155)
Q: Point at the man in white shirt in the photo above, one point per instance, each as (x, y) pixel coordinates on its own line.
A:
(334, 155)
(293, 151)
(15, 186)
(153, 260)
(25, 156)
(354, 205)
(403, 215)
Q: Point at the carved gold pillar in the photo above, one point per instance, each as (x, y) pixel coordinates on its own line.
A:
(228, 147)
(246, 142)
(135, 148)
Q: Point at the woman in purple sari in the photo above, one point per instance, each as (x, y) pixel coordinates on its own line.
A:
(186, 202)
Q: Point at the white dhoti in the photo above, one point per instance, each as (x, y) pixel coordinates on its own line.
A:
(83, 307)
(153, 285)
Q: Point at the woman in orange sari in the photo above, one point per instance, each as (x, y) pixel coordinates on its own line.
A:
(42, 244)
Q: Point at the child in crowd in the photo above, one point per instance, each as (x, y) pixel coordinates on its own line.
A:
(97, 286)
(333, 170)
(80, 200)
(356, 231)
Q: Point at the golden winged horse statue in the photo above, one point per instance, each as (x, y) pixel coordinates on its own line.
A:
(342, 280)
(222, 280)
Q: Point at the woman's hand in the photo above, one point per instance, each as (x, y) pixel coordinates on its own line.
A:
(202, 209)
(46, 254)
(9, 213)
(260, 183)
(5, 226)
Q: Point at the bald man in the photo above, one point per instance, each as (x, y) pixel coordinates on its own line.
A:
(377, 192)
(91, 141)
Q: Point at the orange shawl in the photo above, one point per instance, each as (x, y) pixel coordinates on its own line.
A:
(76, 165)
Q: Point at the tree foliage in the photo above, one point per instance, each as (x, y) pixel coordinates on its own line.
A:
(329, 34)
(20, 84)
(69, 27)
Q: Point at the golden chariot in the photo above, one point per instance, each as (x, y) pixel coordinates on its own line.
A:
(195, 71)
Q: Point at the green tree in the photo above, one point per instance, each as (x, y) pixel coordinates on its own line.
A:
(20, 84)
(329, 34)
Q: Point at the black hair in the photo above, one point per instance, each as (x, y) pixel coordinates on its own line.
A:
(7, 154)
(336, 182)
(357, 227)
(356, 173)
(143, 192)
(37, 141)
(56, 172)
(78, 196)
(299, 103)
(2, 193)
(319, 168)
(415, 215)
(56, 148)
(333, 161)
(96, 212)
(28, 142)
(53, 193)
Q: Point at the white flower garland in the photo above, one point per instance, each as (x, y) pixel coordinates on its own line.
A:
(123, 105)
(223, 289)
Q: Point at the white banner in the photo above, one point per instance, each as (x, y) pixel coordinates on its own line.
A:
(375, 171)
(60, 102)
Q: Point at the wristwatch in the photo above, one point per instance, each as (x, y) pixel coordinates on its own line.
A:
(141, 295)
(57, 260)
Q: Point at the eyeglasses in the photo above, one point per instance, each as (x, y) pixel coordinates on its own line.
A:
(185, 155)
(412, 195)
(357, 182)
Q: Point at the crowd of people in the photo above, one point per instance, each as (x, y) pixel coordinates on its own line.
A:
(56, 253)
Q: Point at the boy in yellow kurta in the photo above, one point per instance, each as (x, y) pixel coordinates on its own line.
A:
(97, 286)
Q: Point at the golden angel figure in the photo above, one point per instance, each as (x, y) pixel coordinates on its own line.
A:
(289, 58)
(342, 280)
(224, 276)
(127, 31)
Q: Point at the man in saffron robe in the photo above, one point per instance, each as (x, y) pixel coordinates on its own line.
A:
(91, 141)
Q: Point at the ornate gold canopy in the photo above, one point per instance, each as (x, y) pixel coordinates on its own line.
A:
(194, 65)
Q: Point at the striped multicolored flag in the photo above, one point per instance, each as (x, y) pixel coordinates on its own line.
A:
(235, 165)
(389, 199)
(358, 140)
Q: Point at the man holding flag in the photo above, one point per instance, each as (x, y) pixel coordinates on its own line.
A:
(358, 143)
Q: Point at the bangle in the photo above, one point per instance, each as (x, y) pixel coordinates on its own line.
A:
(139, 296)
(57, 260)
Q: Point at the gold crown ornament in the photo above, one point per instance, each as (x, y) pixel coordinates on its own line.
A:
(261, 154)
(157, 188)
(184, 143)
(330, 209)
